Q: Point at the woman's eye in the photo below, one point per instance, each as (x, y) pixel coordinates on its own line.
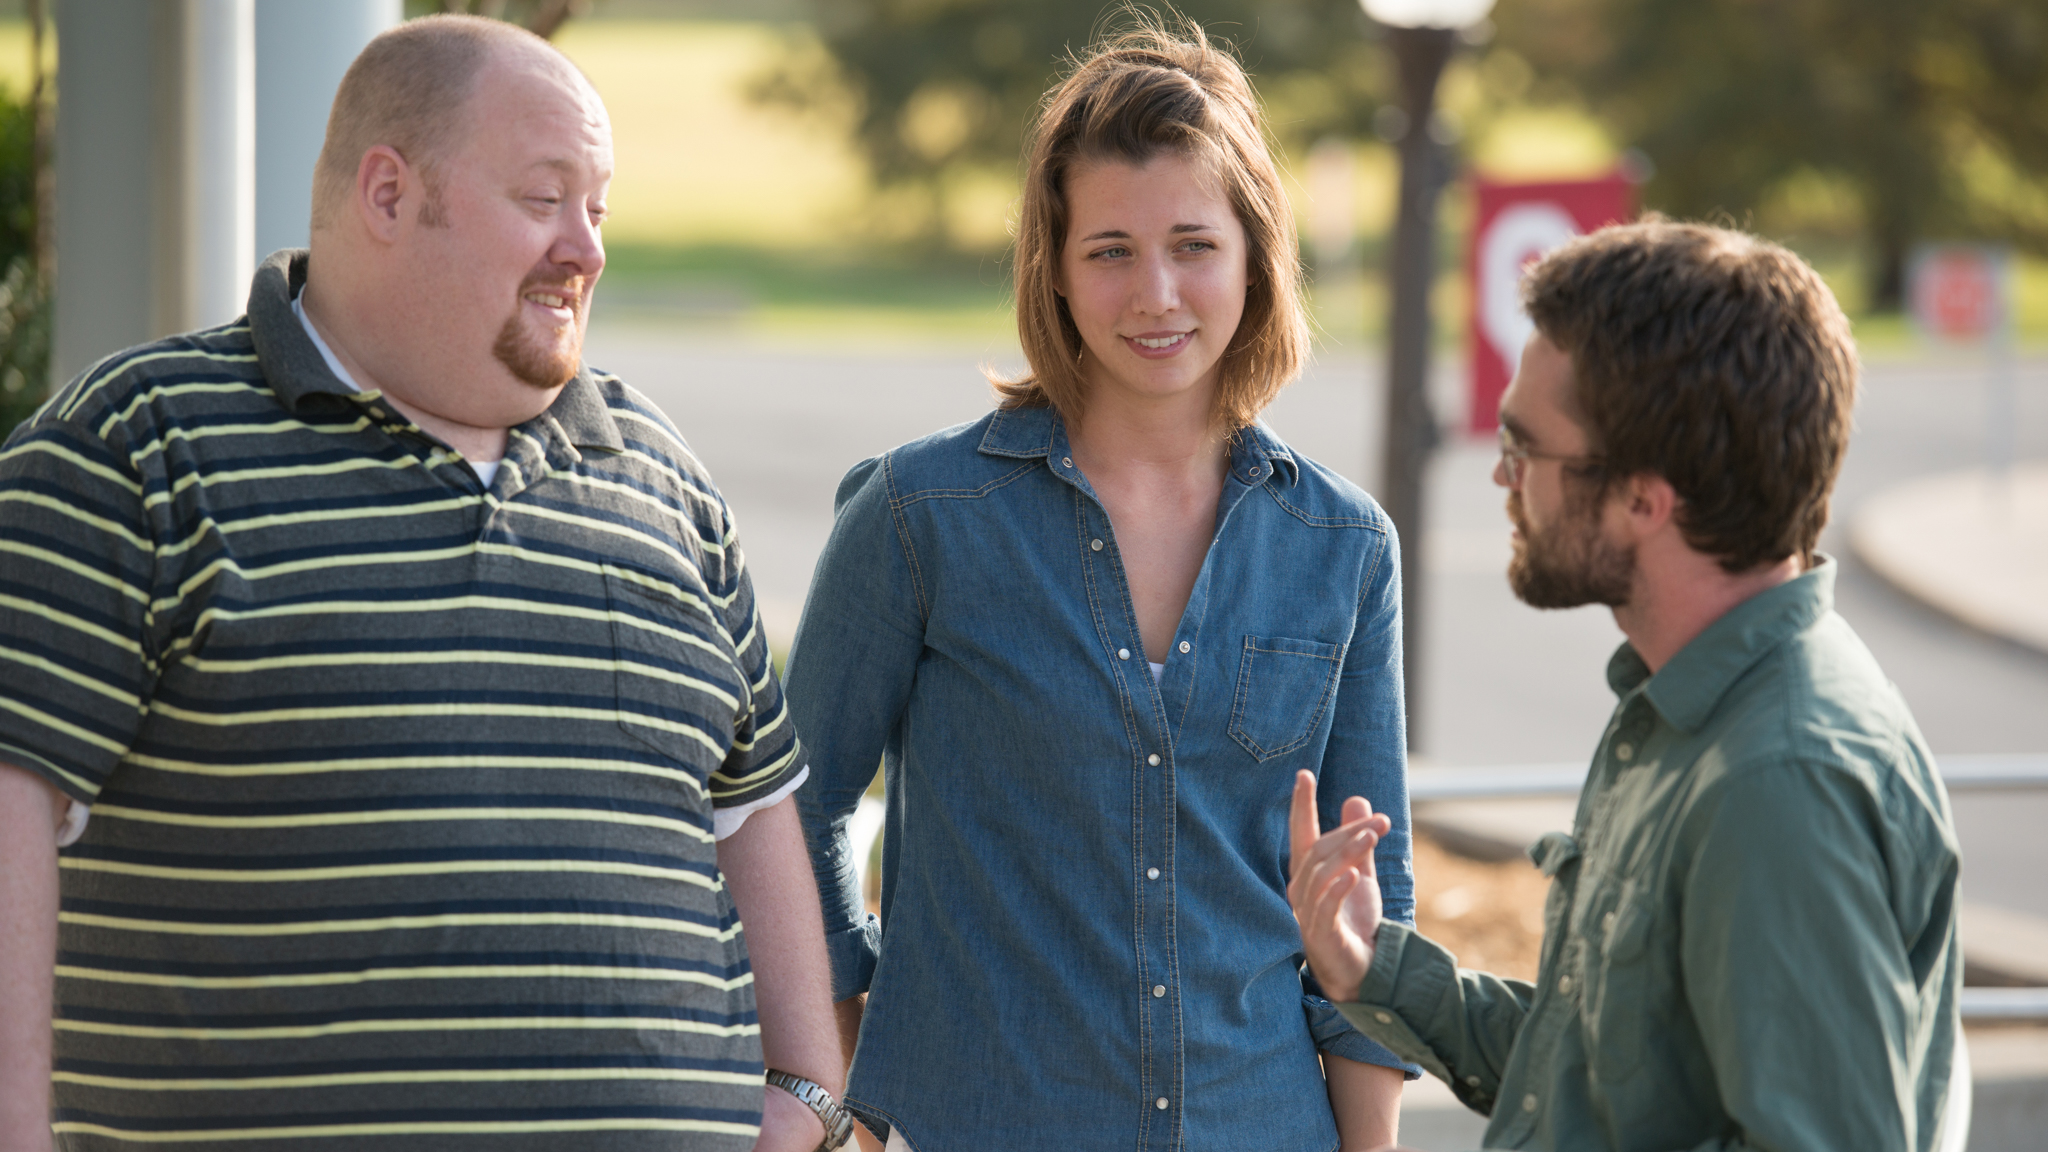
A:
(1198, 246)
(1112, 252)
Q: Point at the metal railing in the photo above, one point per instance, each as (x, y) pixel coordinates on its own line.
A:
(1967, 773)
(1961, 773)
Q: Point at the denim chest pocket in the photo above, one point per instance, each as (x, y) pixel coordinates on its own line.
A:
(1283, 689)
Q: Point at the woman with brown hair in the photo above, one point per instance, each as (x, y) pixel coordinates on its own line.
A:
(1085, 939)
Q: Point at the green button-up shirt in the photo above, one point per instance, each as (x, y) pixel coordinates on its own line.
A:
(1750, 938)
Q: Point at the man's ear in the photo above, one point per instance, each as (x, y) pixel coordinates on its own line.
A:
(1649, 503)
(383, 182)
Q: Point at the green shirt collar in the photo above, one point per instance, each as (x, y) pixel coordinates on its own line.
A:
(296, 370)
(1686, 691)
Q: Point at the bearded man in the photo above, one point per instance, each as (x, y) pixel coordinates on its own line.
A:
(1750, 940)
(395, 682)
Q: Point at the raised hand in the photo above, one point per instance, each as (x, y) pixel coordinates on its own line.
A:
(1334, 888)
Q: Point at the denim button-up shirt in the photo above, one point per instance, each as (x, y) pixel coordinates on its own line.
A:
(1085, 939)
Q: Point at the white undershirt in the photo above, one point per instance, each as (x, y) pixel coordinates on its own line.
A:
(726, 821)
(1158, 670)
(486, 470)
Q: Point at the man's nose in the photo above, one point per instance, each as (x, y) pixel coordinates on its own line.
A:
(1500, 472)
(579, 245)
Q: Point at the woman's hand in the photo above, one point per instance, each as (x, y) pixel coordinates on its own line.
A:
(1334, 888)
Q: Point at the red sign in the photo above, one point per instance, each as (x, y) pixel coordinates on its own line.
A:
(1959, 290)
(1518, 223)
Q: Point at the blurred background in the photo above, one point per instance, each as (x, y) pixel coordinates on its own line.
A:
(808, 264)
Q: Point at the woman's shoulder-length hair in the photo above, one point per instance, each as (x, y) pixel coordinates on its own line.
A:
(1136, 95)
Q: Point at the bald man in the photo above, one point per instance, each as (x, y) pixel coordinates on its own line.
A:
(392, 685)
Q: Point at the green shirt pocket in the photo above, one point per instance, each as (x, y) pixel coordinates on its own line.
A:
(1618, 975)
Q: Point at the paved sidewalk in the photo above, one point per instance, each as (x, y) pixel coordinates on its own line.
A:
(1970, 544)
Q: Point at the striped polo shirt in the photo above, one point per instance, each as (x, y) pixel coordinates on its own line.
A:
(402, 787)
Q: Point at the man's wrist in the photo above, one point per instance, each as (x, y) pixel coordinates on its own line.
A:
(835, 1122)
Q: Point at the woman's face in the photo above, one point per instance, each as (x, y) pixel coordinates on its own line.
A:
(1154, 274)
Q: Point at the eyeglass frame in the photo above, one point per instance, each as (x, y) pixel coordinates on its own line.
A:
(1512, 451)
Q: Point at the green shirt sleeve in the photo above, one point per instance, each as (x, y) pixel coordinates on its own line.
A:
(1796, 969)
(1457, 1023)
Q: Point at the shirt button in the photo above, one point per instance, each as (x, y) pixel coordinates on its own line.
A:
(1153, 759)
(1151, 873)
(1123, 653)
(1158, 990)
(1564, 983)
(1095, 545)
(1472, 1080)
(1529, 1102)
(1624, 750)
(1160, 1103)
(1607, 923)
(1186, 647)
(1383, 1018)
(1067, 460)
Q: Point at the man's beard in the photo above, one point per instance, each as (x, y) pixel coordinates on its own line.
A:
(1570, 564)
(543, 363)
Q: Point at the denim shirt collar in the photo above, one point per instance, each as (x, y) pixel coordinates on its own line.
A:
(1686, 691)
(1256, 454)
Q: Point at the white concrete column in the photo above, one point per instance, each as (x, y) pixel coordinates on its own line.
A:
(106, 187)
(220, 159)
(303, 48)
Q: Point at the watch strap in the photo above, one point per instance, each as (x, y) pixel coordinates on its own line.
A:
(813, 1095)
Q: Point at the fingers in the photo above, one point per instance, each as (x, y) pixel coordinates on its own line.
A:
(1302, 825)
(1328, 907)
(1349, 847)
(1356, 809)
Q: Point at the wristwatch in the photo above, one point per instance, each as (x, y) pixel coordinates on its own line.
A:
(838, 1121)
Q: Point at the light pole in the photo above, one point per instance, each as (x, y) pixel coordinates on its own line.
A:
(1421, 34)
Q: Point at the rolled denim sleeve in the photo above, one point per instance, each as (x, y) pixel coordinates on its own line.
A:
(1368, 756)
(848, 677)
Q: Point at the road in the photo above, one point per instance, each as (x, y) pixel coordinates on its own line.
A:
(778, 423)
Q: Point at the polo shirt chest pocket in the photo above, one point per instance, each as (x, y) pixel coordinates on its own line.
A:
(678, 690)
(1284, 689)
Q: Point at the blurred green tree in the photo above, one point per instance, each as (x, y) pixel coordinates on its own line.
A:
(24, 285)
(938, 85)
(1931, 117)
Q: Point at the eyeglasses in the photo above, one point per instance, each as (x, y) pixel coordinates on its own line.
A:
(1513, 457)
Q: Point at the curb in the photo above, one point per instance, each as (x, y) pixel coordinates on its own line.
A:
(1968, 544)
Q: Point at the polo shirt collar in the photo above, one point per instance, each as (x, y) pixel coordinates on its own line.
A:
(292, 365)
(296, 369)
(1029, 433)
(1686, 691)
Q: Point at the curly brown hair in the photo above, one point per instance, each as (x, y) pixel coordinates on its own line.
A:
(1716, 360)
(1140, 94)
